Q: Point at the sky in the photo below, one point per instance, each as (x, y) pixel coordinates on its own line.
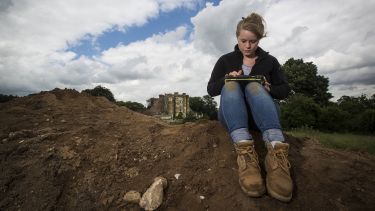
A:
(142, 48)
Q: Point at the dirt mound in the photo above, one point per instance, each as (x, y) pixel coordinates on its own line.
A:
(64, 150)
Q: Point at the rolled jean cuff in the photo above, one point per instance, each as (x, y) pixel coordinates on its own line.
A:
(273, 135)
(240, 134)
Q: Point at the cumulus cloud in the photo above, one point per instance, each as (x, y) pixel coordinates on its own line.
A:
(169, 64)
(339, 40)
(36, 36)
(168, 5)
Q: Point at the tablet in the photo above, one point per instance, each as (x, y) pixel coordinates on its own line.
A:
(246, 78)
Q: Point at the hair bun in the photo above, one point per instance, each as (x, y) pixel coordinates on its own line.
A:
(254, 23)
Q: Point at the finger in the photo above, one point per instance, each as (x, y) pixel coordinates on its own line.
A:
(240, 72)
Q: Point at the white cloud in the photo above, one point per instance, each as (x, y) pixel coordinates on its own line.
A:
(159, 64)
(35, 36)
(168, 5)
(338, 39)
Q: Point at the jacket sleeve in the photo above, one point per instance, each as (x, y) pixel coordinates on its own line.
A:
(279, 84)
(216, 82)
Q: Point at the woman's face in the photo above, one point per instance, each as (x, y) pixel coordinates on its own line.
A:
(247, 42)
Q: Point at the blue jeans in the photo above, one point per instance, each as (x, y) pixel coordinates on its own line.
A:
(239, 101)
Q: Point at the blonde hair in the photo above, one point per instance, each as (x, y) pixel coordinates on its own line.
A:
(254, 23)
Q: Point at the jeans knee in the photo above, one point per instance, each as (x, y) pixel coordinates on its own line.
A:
(231, 92)
(254, 88)
(231, 86)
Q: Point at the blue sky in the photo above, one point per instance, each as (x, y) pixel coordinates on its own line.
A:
(166, 21)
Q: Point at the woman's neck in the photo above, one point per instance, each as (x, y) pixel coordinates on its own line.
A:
(249, 61)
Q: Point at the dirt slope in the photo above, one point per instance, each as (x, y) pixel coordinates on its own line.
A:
(62, 150)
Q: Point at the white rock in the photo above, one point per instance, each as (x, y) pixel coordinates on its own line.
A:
(201, 197)
(153, 197)
(177, 176)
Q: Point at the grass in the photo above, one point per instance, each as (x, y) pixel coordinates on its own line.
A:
(338, 140)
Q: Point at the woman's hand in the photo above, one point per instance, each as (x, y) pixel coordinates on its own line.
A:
(267, 85)
(235, 73)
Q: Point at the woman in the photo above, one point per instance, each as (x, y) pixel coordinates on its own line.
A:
(240, 102)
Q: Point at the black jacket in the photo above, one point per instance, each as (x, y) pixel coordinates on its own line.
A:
(265, 64)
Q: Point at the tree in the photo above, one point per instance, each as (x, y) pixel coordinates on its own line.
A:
(303, 79)
(332, 118)
(204, 105)
(299, 111)
(210, 107)
(196, 104)
(101, 91)
(367, 121)
(355, 105)
(135, 106)
(361, 112)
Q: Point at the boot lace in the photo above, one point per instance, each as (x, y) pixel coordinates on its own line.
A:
(251, 153)
(281, 158)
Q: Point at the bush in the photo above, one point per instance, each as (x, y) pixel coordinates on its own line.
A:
(6, 98)
(299, 111)
(135, 106)
(101, 91)
(367, 121)
(332, 118)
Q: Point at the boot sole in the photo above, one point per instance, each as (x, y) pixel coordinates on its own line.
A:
(254, 193)
(278, 196)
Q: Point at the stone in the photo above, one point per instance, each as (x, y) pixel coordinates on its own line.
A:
(132, 197)
(20, 134)
(153, 197)
(132, 172)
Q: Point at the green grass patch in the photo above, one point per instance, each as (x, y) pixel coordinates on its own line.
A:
(338, 140)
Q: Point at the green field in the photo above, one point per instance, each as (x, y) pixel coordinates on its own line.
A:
(338, 140)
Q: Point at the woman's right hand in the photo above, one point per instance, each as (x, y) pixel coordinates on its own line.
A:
(235, 73)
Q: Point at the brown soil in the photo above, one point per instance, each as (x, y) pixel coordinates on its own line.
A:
(62, 150)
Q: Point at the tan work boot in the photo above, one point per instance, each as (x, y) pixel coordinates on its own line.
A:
(251, 181)
(279, 183)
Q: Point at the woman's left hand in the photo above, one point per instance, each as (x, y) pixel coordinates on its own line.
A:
(267, 86)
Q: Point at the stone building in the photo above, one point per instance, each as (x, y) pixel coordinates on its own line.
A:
(169, 106)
